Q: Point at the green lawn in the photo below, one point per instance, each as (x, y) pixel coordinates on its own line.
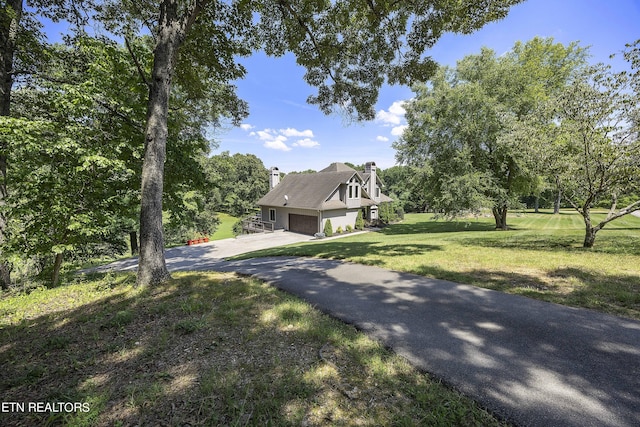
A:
(225, 228)
(541, 257)
(205, 349)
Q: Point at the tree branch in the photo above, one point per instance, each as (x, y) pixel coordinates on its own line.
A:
(136, 62)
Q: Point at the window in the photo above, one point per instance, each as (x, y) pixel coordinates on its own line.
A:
(272, 215)
(354, 189)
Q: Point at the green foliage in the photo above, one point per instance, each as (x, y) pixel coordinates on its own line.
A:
(462, 126)
(328, 228)
(349, 228)
(339, 230)
(235, 182)
(359, 221)
(587, 136)
(406, 185)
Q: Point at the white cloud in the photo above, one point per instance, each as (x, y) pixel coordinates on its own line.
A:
(246, 127)
(289, 132)
(382, 138)
(276, 139)
(393, 116)
(306, 143)
(277, 144)
(398, 130)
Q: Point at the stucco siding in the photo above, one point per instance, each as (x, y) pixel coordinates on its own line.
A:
(340, 218)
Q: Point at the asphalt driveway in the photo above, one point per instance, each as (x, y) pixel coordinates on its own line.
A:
(533, 363)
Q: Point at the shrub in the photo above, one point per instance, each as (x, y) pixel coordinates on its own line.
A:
(359, 221)
(349, 228)
(328, 228)
(339, 230)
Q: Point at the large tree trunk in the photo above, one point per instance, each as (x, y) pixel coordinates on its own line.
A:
(152, 268)
(500, 215)
(10, 15)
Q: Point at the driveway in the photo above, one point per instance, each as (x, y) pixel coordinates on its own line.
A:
(533, 363)
(191, 257)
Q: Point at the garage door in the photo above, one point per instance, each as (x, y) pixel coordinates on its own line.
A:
(304, 224)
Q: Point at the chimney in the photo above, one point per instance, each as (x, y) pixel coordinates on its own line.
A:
(274, 177)
(370, 168)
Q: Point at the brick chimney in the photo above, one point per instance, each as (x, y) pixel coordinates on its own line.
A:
(274, 177)
(370, 168)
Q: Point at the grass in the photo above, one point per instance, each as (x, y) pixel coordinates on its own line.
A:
(225, 228)
(541, 257)
(205, 349)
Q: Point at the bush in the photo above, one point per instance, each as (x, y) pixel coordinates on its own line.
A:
(237, 228)
(359, 221)
(339, 230)
(349, 228)
(328, 228)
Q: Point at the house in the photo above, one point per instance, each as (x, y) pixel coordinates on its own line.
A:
(302, 203)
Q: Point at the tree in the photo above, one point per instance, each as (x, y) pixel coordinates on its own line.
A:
(72, 158)
(592, 141)
(348, 47)
(20, 54)
(235, 182)
(464, 126)
(76, 147)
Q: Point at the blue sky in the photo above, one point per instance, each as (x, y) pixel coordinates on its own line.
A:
(284, 131)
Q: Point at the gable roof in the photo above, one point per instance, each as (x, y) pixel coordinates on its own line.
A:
(308, 190)
(337, 167)
(313, 190)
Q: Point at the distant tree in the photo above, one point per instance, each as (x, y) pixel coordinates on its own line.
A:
(462, 124)
(406, 185)
(236, 182)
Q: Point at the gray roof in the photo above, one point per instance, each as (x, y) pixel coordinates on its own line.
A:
(307, 190)
(311, 190)
(337, 167)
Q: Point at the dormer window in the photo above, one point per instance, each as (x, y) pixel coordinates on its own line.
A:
(354, 188)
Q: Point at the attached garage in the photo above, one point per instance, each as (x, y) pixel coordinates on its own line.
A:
(303, 224)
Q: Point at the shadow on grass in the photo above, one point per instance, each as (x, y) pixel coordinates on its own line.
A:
(617, 294)
(343, 249)
(433, 226)
(200, 350)
(606, 243)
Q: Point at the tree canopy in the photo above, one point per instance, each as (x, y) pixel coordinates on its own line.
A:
(462, 123)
